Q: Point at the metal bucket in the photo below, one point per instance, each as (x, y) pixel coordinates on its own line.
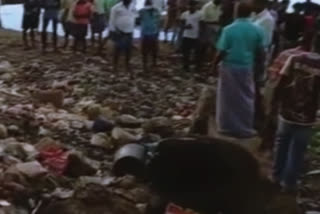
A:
(130, 159)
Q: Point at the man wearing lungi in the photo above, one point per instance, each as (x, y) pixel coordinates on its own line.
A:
(239, 47)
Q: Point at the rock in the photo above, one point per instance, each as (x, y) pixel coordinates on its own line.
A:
(62, 193)
(3, 131)
(55, 97)
(78, 165)
(312, 212)
(140, 195)
(142, 208)
(103, 140)
(102, 125)
(22, 151)
(205, 112)
(13, 129)
(93, 111)
(31, 169)
(104, 181)
(159, 125)
(129, 121)
(122, 136)
(13, 210)
(7, 76)
(5, 67)
(127, 182)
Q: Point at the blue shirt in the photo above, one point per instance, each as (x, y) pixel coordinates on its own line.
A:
(150, 21)
(240, 41)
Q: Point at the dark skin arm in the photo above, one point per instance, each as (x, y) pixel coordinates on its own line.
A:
(220, 55)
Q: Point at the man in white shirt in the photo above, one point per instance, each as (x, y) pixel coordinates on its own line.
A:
(159, 4)
(121, 25)
(266, 22)
(210, 26)
(191, 30)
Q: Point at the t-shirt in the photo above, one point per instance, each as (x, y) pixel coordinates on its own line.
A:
(31, 7)
(267, 23)
(211, 12)
(298, 90)
(192, 19)
(294, 26)
(240, 41)
(122, 18)
(150, 21)
(51, 9)
(84, 10)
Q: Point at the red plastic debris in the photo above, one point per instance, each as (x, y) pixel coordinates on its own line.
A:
(54, 159)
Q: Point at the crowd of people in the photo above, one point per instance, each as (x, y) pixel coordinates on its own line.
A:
(246, 40)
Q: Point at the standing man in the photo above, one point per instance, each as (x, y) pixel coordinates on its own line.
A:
(296, 93)
(30, 21)
(190, 37)
(51, 12)
(159, 4)
(98, 21)
(67, 19)
(239, 47)
(210, 26)
(150, 26)
(122, 23)
(266, 22)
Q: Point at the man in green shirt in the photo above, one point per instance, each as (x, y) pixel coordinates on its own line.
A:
(239, 48)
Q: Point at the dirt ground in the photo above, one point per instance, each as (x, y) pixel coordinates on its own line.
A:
(164, 91)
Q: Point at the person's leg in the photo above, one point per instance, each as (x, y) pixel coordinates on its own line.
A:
(75, 44)
(116, 54)
(186, 48)
(66, 34)
(25, 38)
(155, 50)
(33, 41)
(99, 42)
(301, 138)
(198, 54)
(84, 44)
(54, 35)
(144, 53)
(44, 33)
(284, 139)
(128, 51)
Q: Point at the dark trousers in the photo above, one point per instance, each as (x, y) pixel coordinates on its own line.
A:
(291, 143)
(190, 47)
(54, 33)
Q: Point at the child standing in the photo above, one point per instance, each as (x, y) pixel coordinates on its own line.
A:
(30, 20)
(150, 23)
(190, 22)
(51, 11)
(82, 12)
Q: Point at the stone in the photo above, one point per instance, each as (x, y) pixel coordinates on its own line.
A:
(102, 139)
(102, 125)
(31, 169)
(55, 97)
(79, 165)
(5, 67)
(129, 121)
(122, 136)
(93, 111)
(205, 112)
(3, 131)
(159, 125)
